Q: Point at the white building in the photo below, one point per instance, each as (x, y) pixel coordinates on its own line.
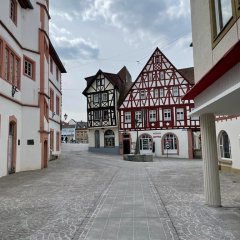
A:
(25, 83)
(216, 45)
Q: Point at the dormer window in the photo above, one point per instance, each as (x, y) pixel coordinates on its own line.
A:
(13, 11)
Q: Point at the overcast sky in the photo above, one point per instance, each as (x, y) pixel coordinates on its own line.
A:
(107, 34)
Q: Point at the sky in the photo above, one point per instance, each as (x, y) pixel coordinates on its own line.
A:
(89, 35)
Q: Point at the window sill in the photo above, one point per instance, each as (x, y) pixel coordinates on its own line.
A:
(225, 161)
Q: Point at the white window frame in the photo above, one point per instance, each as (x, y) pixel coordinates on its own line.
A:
(104, 97)
(95, 98)
(155, 93)
(138, 116)
(175, 91)
(127, 117)
(167, 114)
(180, 113)
(152, 115)
(161, 92)
(142, 94)
(96, 115)
(161, 75)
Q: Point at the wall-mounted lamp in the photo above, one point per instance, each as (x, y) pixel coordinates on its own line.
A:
(14, 90)
(53, 114)
(65, 116)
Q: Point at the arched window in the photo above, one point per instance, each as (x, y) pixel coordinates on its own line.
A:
(97, 139)
(109, 139)
(170, 144)
(224, 145)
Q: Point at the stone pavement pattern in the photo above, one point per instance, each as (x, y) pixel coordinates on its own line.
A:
(88, 196)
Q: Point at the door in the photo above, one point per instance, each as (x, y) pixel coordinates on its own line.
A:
(126, 146)
(145, 144)
(11, 150)
(45, 154)
(97, 139)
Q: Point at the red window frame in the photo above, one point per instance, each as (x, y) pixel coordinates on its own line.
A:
(51, 100)
(13, 11)
(57, 105)
(32, 64)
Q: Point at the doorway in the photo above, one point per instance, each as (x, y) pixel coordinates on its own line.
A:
(45, 154)
(11, 162)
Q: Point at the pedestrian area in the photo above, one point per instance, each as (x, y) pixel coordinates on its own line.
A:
(90, 196)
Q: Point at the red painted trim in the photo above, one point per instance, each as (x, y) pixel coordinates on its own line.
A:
(229, 60)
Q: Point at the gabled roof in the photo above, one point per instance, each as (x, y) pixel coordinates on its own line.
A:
(25, 4)
(115, 79)
(81, 125)
(186, 73)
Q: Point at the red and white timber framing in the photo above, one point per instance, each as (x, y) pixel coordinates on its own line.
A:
(155, 99)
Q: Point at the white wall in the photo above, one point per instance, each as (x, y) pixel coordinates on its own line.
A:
(232, 128)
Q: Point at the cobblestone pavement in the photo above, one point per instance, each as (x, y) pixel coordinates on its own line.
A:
(89, 196)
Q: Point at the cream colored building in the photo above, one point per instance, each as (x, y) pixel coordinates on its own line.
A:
(25, 83)
(216, 45)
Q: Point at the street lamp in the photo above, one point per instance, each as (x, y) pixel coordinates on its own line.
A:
(65, 116)
(137, 150)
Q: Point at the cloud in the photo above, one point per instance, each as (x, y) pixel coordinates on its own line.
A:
(151, 19)
(76, 48)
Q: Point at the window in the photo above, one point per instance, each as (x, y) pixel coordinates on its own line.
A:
(152, 116)
(167, 114)
(95, 98)
(52, 139)
(57, 74)
(161, 92)
(105, 115)
(13, 11)
(57, 141)
(51, 65)
(99, 82)
(224, 145)
(142, 94)
(155, 93)
(138, 116)
(96, 115)
(127, 117)
(170, 144)
(150, 77)
(12, 68)
(161, 75)
(57, 105)
(51, 100)
(29, 66)
(157, 59)
(223, 13)
(145, 142)
(104, 97)
(180, 114)
(175, 91)
(109, 139)
(97, 139)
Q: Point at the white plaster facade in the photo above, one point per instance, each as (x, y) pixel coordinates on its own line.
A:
(24, 117)
(216, 50)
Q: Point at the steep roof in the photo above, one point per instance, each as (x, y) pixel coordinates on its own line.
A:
(117, 80)
(25, 4)
(187, 73)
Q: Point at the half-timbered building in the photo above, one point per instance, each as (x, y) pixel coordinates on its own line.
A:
(153, 108)
(103, 92)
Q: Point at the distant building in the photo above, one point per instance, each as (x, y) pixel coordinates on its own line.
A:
(153, 110)
(81, 132)
(68, 130)
(103, 92)
(30, 87)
